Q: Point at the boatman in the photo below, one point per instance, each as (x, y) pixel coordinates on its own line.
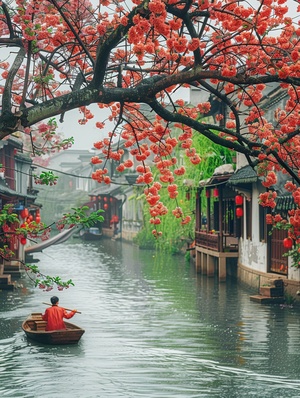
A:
(54, 315)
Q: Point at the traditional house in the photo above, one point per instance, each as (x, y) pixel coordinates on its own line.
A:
(75, 187)
(123, 214)
(16, 188)
(233, 238)
(108, 198)
(217, 228)
(261, 251)
(254, 255)
(73, 168)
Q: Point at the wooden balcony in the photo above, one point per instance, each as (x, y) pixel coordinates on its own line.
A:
(216, 254)
(216, 242)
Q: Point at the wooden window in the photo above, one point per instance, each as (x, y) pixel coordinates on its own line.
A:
(263, 230)
(248, 206)
(228, 216)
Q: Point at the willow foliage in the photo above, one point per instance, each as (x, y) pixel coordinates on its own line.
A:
(175, 236)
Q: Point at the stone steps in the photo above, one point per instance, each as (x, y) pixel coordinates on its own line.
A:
(272, 293)
(9, 270)
(13, 268)
(267, 300)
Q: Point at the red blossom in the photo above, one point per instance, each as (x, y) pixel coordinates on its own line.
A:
(186, 220)
(179, 171)
(120, 168)
(172, 187)
(173, 194)
(152, 199)
(96, 160)
(155, 221)
(177, 212)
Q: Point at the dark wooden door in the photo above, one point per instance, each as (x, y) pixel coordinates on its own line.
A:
(278, 263)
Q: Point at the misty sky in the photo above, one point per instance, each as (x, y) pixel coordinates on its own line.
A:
(86, 135)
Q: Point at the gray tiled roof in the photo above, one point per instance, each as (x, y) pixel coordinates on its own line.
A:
(245, 175)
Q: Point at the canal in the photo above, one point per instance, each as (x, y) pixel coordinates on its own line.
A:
(153, 329)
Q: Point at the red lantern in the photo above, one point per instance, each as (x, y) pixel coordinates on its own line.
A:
(24, 213)
(207, 193)
(239, 212)
(216, 192)
(111, 199)
(114, 219)
(239, 200)
(37, 219)
(105, 199)
(105, 206)
(23, 241)
(288, 243)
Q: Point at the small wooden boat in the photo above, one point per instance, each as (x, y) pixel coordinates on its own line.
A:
(90, 234)
(34, 328)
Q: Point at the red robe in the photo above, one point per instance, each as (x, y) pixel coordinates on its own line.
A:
(54, 317)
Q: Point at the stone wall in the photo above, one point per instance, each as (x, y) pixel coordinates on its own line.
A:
(256, 279)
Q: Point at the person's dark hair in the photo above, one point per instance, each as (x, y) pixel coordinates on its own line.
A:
(54, 300)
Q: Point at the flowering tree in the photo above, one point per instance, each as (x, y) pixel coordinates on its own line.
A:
(119, 55)
(13, 229)
(44, 140)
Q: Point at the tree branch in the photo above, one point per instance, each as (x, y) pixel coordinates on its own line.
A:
(114, 38)
(6, 101)
(204, 129)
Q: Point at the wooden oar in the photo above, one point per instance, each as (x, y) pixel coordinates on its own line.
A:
(68, 309)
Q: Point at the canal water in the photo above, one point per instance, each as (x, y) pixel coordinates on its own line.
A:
(154, 329)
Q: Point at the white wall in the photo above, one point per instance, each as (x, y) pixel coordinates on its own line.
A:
(253, 252)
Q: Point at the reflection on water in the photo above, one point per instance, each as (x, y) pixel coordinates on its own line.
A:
(153, 329)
